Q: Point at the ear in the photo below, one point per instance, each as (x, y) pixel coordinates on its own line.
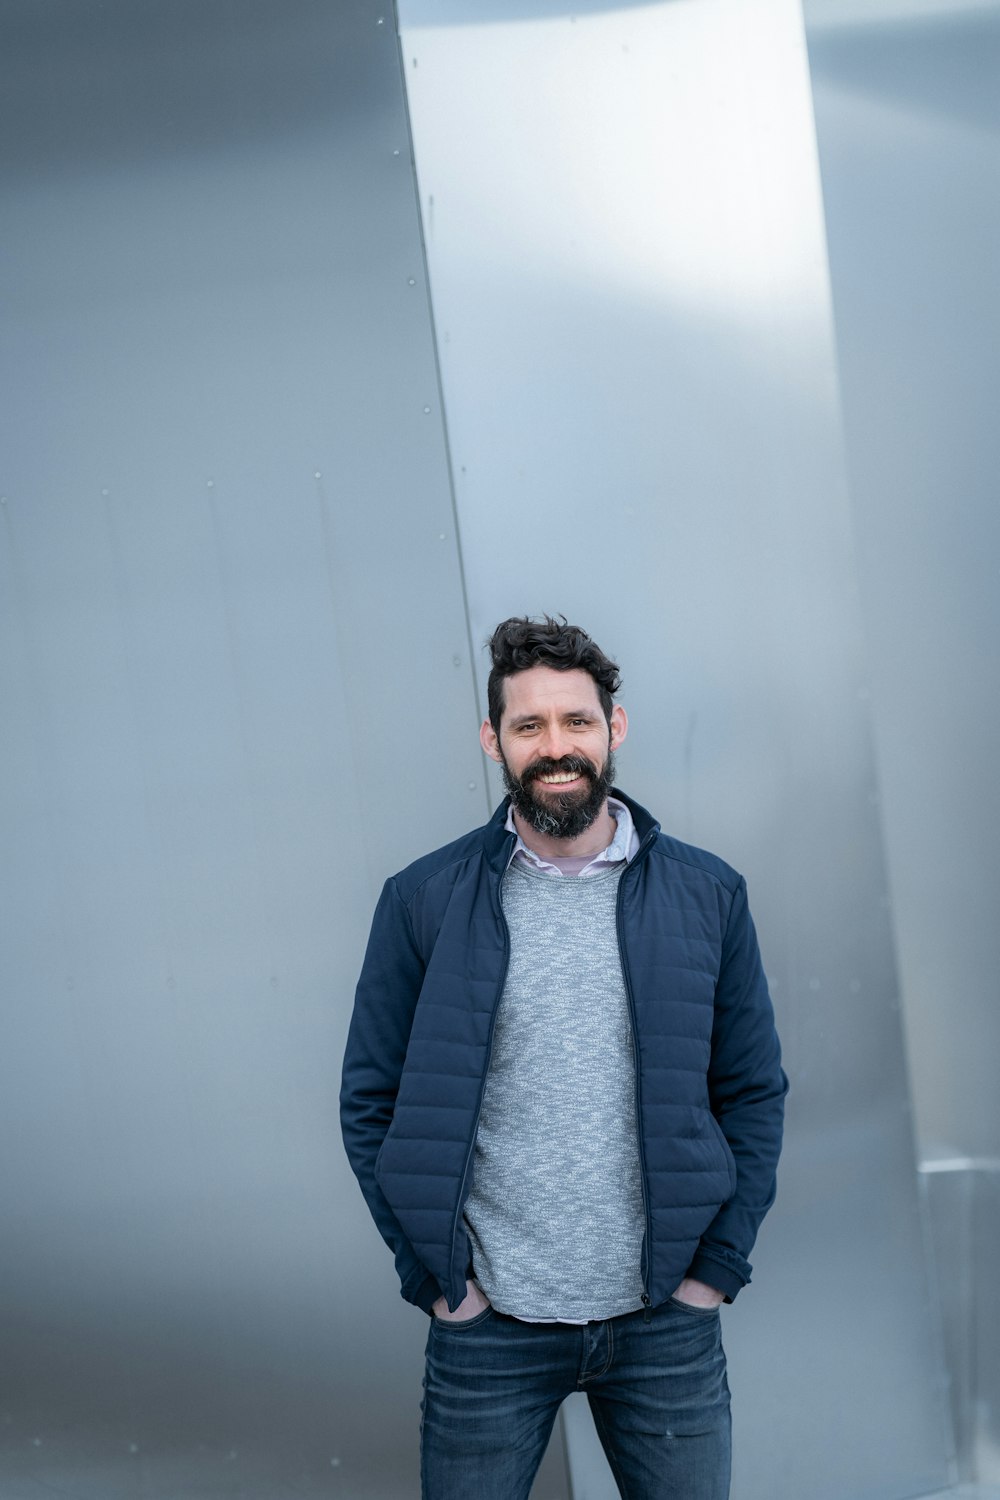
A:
(619, 726)
(488, 740)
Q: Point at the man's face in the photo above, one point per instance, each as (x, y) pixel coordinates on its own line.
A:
(555, 747)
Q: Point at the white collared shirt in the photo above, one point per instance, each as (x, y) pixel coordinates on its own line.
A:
(623, 846)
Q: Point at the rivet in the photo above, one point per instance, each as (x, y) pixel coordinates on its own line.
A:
(105, 493)
(211, 484)
(396, 152)
(317, 475)
(442, 536)
(411, 281)
(472, 786)
(427, 411)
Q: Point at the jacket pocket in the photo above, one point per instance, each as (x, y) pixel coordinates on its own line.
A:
(730, 1159)
(377, 1169)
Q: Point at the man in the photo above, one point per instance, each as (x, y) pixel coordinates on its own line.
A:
(563, 1100)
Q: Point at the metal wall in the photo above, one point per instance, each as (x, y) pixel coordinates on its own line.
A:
(908, 119)
(628, 267)
(235, 692)
(237, 688)
(908, 122)
(963, 1206)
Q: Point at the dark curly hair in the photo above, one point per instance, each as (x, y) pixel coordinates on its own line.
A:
(520, 643)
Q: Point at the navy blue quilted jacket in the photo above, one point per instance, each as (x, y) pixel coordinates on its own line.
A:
(709, 1085)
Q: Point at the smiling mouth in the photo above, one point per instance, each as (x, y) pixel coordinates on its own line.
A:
(560, 778)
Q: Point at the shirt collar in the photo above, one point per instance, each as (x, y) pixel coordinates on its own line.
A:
(623, 846)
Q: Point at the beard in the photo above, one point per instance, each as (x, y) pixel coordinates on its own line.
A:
(560, 815)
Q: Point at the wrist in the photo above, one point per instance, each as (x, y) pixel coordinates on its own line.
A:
(699, 1293)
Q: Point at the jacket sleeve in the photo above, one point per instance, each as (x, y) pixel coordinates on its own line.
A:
(384, 1002)
(747, 1088)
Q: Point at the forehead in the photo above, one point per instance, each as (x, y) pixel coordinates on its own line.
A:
(544, 690)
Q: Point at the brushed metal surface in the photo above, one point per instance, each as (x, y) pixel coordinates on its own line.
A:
(627, 258)
(963, 1204)
(236, 684)
(908, 125)
(235, 693)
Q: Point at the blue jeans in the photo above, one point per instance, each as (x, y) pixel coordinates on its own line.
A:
(656, 1384)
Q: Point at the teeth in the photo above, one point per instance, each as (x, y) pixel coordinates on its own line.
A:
(560, 777)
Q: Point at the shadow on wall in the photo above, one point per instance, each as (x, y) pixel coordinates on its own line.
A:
(947, 64)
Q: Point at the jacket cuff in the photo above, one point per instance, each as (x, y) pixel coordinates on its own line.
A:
(712, 1272)
(423, 1295)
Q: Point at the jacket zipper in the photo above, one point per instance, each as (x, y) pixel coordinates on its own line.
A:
(486, 1069)
(647, 1247)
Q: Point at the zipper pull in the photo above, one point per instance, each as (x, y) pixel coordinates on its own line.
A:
(646, 1304)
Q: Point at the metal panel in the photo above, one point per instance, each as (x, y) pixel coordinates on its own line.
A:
(908, 122)
(236, 692)
(963, 1198)
(625, 240)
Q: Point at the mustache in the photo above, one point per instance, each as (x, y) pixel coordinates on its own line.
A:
(569, 765)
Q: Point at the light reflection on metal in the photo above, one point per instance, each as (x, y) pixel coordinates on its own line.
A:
(641, 396)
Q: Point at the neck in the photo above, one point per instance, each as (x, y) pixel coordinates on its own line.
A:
(591, 841)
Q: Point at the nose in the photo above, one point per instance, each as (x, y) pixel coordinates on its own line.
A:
(555, 743)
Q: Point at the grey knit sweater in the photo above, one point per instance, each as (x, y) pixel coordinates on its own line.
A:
(555, 1214)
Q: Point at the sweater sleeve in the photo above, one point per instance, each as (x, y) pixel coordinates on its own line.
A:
(384, 1003)
(747, 1090)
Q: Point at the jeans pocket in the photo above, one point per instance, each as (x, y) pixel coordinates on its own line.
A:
(696, 1312)
(461, 1324)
